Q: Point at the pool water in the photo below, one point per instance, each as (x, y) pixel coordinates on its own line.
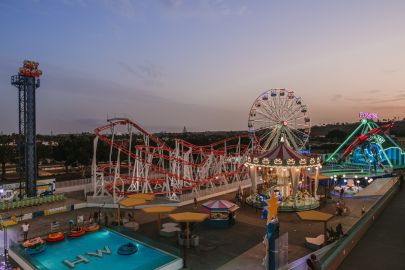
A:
(68, 249)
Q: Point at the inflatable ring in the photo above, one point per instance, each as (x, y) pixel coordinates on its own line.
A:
(92, 228)
(33, 242)
(76, 233)
(55, 237)
(35, 250)
(127, 249)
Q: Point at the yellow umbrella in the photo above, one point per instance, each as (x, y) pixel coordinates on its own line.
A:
(188, 217)
(147, 197)
(159, 210)
(129, 202)
(316, 216)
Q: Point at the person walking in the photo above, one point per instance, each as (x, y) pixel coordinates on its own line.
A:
(363, 210)
(341, 193)
(195, 202)
(25, 228)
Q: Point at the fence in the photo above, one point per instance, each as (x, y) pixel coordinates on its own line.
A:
(204, 193)
(70, 183)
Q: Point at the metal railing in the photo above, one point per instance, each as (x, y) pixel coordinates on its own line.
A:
(216, 189)
(353, 232)
(70, 183)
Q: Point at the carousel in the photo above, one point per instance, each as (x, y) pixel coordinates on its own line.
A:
(279, 126)
(292, 177)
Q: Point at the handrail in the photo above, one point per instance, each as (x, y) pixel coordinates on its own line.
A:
(352, 232)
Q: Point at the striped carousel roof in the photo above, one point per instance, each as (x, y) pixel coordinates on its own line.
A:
(282, 155)
(220, 204)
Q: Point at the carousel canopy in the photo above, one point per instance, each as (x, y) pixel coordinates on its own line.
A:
(221, 204)
(283, 156)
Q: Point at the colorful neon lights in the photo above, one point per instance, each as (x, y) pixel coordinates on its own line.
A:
(368, 115)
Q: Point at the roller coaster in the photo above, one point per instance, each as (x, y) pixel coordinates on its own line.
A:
(141, 163)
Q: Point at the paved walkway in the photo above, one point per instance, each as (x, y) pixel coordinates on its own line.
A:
(218, 247)
(383, 246)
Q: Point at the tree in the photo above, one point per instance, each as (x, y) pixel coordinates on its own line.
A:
(75, 150)
(336, 135)
(6, 153)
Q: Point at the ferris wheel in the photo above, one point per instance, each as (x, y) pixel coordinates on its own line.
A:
(277, 114)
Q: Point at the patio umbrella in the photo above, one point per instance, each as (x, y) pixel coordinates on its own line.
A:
(316, 216)
(159, 210)
(129, 202)
(188, 217)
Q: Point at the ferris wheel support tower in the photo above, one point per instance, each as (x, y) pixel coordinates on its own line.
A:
(27, 81)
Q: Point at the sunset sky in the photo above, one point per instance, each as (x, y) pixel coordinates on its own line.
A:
(201, 64)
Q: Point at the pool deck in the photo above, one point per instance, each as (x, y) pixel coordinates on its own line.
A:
(238, 247)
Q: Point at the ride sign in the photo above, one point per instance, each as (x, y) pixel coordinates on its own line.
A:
(368, 115)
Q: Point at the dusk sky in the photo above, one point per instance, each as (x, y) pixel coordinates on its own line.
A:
(201, 64)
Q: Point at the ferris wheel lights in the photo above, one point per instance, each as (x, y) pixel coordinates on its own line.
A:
(279, 113)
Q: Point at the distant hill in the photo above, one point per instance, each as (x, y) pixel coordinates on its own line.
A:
(321, 131)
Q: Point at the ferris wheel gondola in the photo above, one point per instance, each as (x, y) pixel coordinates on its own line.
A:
(276, 114)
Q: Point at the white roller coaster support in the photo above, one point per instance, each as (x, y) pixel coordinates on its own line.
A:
(111, 148)
(129, 148)
(169, 171)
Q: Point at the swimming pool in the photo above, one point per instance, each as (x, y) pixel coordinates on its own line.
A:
(99, 244)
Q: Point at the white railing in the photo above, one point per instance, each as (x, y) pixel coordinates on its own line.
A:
(76, 182)
(218, 189)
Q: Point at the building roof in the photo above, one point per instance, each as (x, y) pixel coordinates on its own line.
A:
(220, 204)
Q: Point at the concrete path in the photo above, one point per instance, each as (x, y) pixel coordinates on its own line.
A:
(377, 188)
(383, 246)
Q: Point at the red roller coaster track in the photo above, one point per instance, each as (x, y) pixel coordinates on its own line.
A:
(154, 163)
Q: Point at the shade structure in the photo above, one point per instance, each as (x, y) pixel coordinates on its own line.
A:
(158, 210)
(316, 216)
(147, 197)
(188, 217)
(131, 202)
(220, 205)
(282, 156)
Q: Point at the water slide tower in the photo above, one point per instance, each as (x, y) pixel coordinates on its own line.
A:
(27, 81)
